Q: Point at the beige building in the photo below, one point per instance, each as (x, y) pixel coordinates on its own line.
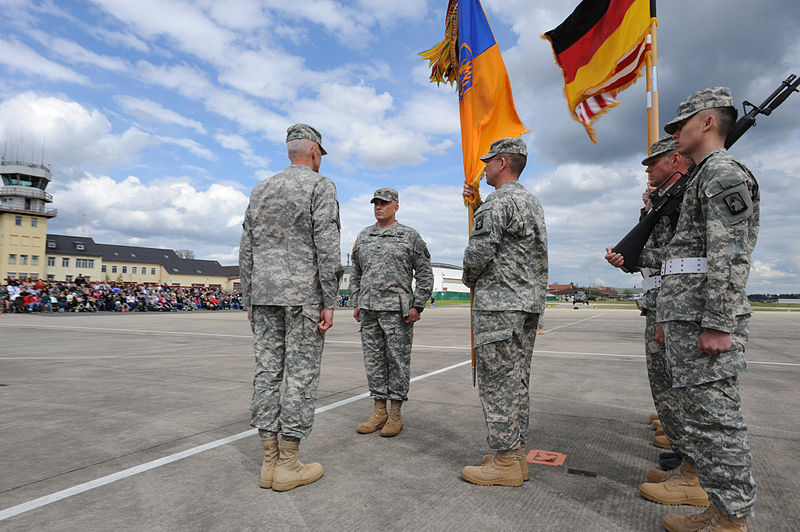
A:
(69, 256)
(23, 219)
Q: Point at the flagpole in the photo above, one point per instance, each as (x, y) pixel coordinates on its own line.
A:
(470, 223)
(652, 80)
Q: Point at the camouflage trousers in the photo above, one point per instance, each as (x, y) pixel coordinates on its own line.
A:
(659, 373)
(503, 352)
(386, 341)
(715, 434)
(287, 343)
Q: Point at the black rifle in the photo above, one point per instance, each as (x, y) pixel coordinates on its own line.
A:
(631, 245)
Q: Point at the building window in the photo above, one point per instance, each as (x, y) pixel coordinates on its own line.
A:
(51, 277)
(34, 260)
(12, 258)
(11, 275)
(176, 284)
(51, 261)
(124, 269)
(23, 259)
(65, 262)
(133, 270)
(152, 271)
(79, 246)
(104, 268)
(84, 263)
(34, 276)
(23, 275)
(34, 222)
(113, 269)
(18, 220)
(51, 243)
(69, 278)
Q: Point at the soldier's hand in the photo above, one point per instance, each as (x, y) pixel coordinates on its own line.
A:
(325, 320)
(714, 342)
(413, 315)
(616, 259)
(467, 191)
(250, 313)
(660, 338)
(646, 197)
(357, 314)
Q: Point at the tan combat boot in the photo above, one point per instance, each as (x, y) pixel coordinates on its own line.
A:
(723, 522)
(653, 417)
(376, 420)
(661, 442)
(656, 424)
(291, 472)
(270, 446)
(656, 475)
(660, 432)
(523, 462)
(502, 470)
(680, 523)
(394, 423)
(680, 489)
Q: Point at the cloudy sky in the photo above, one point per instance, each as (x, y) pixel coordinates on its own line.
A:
(159, 116)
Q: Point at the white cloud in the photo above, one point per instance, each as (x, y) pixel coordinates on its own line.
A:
(168, 213)
(20, 58)
(192, 145)
(180, 22)
(75, 53)
(150, 111)
(71, 135)
(240, 144)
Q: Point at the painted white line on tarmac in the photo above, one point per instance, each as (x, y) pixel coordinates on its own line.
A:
(569, 324)
(125, 473)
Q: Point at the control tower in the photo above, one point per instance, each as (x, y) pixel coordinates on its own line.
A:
(23, 219)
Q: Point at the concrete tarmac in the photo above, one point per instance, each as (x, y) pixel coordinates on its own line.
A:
(106, 421)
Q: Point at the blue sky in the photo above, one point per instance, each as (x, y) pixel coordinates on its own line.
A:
(158, 118)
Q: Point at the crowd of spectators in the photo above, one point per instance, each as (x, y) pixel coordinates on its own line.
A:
(81, 296)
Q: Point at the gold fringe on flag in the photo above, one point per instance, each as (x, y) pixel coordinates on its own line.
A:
(443, 58)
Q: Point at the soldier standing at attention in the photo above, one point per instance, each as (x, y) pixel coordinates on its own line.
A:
(662, 164)
(290, 268)
(705, 313)
(386, 257)
(506, 263)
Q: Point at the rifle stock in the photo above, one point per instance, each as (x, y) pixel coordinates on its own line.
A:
(631, 245)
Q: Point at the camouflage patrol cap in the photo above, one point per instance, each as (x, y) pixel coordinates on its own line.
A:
(659, 148)
(506, 145)
(304, 131)
(385, 194)
(700, 100)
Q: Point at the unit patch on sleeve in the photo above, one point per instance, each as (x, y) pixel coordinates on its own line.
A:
(736, 204)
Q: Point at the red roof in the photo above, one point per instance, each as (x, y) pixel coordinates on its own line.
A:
(559, 286)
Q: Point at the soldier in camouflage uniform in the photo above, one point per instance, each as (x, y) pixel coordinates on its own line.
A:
(705, 312)
(387, 256)
(506, 264)
(290, 267)
(662, 165)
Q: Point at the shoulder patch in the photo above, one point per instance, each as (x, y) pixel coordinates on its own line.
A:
(735, 203)
(481, 223)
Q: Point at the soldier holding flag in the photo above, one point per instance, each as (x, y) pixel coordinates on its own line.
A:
(506, 264)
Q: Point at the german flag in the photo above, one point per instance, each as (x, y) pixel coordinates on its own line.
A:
(600, 48)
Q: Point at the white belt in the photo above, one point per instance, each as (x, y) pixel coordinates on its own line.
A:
(649, 283)
(687, 265)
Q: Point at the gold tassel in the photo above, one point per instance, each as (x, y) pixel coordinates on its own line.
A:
(443, 58)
